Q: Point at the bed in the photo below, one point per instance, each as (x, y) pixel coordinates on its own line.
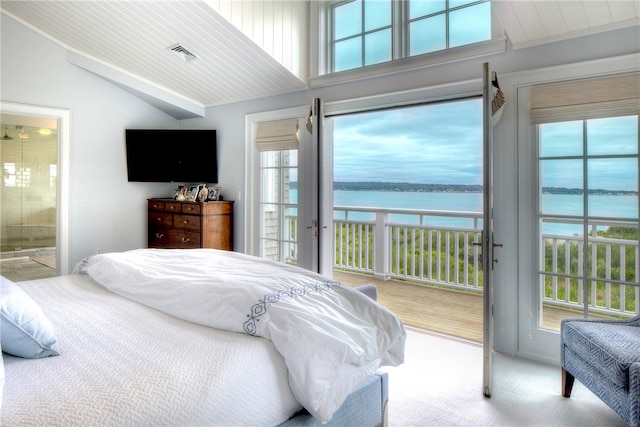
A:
(196, 337)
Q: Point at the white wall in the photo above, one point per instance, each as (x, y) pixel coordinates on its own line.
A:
(108, 212)
(105, 210)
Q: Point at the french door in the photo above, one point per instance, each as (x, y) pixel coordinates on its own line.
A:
(282, 187)
(579, 211)
(488, 245)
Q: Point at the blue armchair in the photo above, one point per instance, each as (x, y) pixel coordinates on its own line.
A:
(604, 355)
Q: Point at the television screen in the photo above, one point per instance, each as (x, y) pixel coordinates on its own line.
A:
(169, 155)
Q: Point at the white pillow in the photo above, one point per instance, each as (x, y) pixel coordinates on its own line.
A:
(24, 329)
(1, 378)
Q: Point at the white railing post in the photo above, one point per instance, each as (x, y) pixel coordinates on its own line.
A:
(381, 249)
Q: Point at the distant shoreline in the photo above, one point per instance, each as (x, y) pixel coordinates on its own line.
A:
(456, 188)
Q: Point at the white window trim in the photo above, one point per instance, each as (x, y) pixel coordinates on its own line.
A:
(252, 168)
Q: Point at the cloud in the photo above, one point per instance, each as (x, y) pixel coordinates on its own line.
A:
(434, 143)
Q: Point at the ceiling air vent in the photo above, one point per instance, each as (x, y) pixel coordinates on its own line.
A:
(182, 52)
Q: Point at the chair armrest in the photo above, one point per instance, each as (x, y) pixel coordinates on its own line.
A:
(634, 321)
(634, 390)
(369, 290)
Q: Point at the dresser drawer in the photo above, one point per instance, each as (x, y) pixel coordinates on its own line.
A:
(172, 207)
(192, 208)
(155, 205)
(160, 219)
(190, 222)
(173, 238)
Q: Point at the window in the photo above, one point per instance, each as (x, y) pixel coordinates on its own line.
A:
(9, 174)
(368, 32)
(15, 176)
(588, 216)
(588, 207)
(437, 25)
(361, 33)
(278, 205)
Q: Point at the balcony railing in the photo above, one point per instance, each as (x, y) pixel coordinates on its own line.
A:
(414, 245)
(439, 248)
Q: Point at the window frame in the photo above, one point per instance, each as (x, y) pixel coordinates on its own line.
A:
(587, 280)
(322, 40)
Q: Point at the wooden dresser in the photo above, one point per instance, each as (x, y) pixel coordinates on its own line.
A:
(185, 225)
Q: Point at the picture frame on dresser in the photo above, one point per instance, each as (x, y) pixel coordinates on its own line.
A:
(192, 194)
(214, 194)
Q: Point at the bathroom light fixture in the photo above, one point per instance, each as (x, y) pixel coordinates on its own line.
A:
(6, 137)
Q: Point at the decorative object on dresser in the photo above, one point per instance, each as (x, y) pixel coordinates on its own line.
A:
(214, 194)
(187, 225)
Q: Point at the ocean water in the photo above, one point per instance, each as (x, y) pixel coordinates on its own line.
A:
(622, 207)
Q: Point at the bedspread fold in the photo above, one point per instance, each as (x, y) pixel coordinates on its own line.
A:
(331, 336)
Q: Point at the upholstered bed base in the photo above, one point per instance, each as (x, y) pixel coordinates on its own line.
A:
(367, 406)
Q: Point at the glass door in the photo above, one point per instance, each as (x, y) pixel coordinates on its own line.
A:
(28, 221)
(579, 216)
(281, 224)
(588, 219)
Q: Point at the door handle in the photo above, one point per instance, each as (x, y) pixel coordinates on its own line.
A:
(495, 245)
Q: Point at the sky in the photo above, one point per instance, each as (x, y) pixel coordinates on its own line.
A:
(430, 144)
(610, 136)
(441, 143)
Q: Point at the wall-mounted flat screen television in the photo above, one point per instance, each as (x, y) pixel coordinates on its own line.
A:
(171, 155)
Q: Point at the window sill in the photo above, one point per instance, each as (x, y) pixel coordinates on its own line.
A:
(442, 57)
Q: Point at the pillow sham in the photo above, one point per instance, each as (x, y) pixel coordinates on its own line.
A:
(24, 329)
(1, 378)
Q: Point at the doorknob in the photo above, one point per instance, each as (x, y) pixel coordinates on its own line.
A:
(497, 245)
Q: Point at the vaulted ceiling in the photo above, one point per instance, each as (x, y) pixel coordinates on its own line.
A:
(145, 46)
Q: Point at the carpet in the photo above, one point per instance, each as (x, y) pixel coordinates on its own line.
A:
(440, 384)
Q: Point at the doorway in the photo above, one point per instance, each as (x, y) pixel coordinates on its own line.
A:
(33, 192)
(407, 210)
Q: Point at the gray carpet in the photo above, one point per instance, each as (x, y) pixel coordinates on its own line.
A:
(440, 384)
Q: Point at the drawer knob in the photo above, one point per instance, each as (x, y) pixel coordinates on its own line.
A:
(185, 221)
(159, 235)
(159, 219)
(185, 240)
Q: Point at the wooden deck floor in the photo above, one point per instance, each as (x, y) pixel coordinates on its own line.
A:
(448, 312)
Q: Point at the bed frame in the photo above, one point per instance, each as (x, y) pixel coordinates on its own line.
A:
(367, 406)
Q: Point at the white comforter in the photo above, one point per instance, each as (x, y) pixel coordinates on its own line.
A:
(331, 336)
(125, 364)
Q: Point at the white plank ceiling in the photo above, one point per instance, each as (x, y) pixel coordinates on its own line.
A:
(132, 37)
(533, 22)
(248, 49)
